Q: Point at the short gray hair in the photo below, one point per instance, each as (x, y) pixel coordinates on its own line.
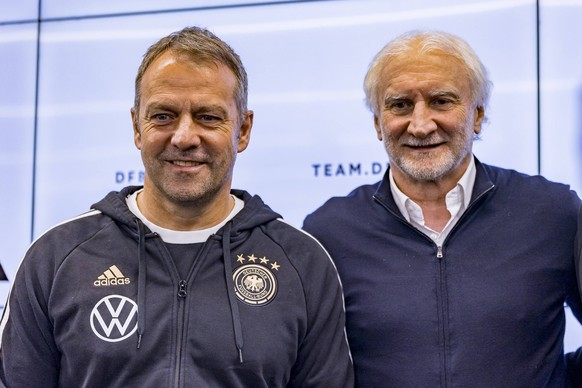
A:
(426, 42)
(199, 45)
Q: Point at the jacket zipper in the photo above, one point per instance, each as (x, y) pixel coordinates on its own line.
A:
(442, 284)
(181, 312)
(442, 299)
(181, 295)
(443, 315)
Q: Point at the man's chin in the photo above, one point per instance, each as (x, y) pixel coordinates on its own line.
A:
(188, 196)
(423, 171)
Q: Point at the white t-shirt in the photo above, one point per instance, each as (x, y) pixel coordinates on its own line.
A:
(178, 236)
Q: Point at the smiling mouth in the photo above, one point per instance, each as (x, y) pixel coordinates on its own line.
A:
(184, 163)
(424, 146)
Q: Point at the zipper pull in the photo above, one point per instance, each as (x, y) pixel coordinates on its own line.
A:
(439, 252)
(182, 289)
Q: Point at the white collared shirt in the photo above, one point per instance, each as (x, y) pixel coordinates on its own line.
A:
(457, 201)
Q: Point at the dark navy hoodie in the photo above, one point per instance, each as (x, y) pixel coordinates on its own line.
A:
(98, 302)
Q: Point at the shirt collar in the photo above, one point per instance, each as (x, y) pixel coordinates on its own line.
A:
(464, 187)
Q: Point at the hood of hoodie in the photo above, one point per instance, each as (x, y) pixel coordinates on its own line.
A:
(254, 214)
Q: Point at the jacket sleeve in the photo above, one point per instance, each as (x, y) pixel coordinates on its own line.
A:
(28, 353)
(578, 252)
(574, 359)
(574, 363)
(324, 358)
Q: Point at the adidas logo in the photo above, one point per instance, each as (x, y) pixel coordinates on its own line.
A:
(111, 277)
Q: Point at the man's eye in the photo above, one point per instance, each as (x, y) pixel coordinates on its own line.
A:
(399, 106)
(208, 118)
(442, 102)
(161, 117)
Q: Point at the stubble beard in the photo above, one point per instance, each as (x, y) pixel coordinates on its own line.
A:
(183, 190)
(430, 166)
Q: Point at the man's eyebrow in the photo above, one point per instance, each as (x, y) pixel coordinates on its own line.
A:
(445, 93)
(210, 108)
(158, 105)
(170, 106)
(394, 97)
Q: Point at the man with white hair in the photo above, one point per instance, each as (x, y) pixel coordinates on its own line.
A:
(455, 273)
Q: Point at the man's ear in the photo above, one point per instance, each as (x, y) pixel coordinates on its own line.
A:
(136, 131)
(244, 135)
(378, 127)
(479, 117)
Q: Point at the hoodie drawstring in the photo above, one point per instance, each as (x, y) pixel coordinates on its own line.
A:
(141, 288)
(141, 283)
(230, 291)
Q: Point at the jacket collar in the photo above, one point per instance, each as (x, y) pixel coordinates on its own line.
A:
(483, 183)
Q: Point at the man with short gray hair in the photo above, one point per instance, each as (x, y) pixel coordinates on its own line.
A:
(183, 282)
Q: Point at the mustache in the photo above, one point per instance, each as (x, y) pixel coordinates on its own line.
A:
(195, 156)
(426, 142)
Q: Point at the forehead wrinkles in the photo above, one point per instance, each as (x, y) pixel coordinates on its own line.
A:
(174, 82)
(415, 71)
(168, 72)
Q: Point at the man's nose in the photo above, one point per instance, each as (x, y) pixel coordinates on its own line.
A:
(187, 133)
(421, 121)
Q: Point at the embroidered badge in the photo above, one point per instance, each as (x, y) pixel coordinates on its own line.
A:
(255, 283)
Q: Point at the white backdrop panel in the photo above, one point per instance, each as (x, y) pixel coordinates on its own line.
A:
(561, 91)
(17, 92)
(18, 11)
(67, 8)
